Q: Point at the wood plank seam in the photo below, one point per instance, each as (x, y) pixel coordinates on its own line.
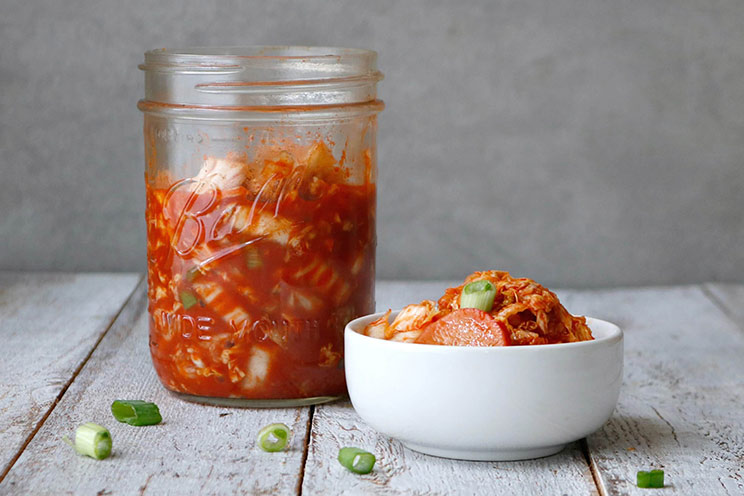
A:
(308, 440)
(69, 382)
(592, 467)
(679, 409)
(720, 305)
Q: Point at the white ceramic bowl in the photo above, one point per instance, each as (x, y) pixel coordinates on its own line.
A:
(496, 403)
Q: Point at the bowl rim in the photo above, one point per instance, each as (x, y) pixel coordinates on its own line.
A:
(615, 335)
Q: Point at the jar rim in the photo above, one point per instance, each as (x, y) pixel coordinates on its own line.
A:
(261, 51)
(261, 76)
(356, 60)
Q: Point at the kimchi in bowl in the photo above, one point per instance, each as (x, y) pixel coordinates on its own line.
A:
(484, 403)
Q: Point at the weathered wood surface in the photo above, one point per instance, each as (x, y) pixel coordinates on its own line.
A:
(682, 400)
(730, 297)
(680, 410)
(402, 471)
(196, 450)
(49, 323)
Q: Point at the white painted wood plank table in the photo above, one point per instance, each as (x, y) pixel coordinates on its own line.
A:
(71, 343)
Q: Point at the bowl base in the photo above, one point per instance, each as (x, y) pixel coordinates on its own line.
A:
(254, 403)
(487, 455)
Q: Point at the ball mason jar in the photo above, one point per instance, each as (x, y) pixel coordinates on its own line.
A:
(260, 172)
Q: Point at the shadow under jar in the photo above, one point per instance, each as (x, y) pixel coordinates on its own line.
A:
(260, 169)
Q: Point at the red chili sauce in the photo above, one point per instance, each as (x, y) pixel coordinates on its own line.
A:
(253, 272)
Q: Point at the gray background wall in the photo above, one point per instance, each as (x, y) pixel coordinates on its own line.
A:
(580, 142)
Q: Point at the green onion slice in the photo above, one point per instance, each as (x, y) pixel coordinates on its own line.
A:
(478, 294)
(657, 478)
(273, 437)
(92, 440)
(253, 259)
(136, 412)
(654, 479)
(357, 460)
(643, 479)
(187, 299)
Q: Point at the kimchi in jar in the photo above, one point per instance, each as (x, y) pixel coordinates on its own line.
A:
(261, 191)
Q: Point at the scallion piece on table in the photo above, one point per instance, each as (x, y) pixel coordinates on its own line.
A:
(91, 440)
(187, 299)
(652, 479)
(478, 294)
(357, 460)
(136, 412)
(273, 437)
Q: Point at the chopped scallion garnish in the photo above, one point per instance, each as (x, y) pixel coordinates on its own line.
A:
(91, 440)
(273, 437)
(136, 412)
(188, 299)
(253, 259)
(652, 479)
(357, 460)
(478, 294)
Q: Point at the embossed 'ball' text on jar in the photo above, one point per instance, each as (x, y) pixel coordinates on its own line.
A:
(260, 169)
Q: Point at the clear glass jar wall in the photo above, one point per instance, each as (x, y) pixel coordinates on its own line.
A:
(260, 169)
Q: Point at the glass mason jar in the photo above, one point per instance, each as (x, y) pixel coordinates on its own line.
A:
(260, 169)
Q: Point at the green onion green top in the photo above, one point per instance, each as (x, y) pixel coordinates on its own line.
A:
(273, 437)
(654, 478)
(253, 259)
(478, 294)
(136, 412)
(357, 460)
(187, 299)
(92, 440)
